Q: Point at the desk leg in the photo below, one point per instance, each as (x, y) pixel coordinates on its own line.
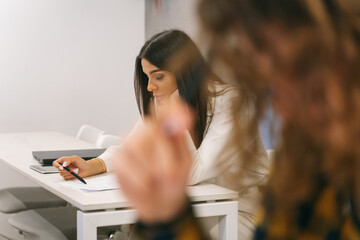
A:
(228, 216)
(85, 229)
(88, 222)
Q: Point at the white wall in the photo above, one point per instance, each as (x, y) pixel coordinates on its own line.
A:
(68, 62)
(170, 14)
(64, 63)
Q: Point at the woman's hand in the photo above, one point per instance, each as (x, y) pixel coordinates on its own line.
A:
(153, 165)
(77, 164)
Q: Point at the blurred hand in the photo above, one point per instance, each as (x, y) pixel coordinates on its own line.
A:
(77, 164)
(153, 165)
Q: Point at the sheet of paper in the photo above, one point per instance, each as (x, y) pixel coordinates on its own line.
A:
(94, 184)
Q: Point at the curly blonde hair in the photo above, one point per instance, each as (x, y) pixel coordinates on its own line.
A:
(312, 48)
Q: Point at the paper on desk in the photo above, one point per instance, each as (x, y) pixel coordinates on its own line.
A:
(94, 184)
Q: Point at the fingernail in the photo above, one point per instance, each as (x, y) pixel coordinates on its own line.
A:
(64, 164)
(61, 168)
(76, 170)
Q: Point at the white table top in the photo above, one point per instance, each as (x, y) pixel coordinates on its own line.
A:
(16, 152)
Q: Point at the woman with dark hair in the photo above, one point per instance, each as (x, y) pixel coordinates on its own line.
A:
(303, 56)
(189, 81)
(168, 68)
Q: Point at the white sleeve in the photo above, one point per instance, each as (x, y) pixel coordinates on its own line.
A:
(207, 157)
(108, 155)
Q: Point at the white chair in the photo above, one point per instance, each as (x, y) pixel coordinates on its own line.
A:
(57, 224)
(107, 140)
(89, 133)
(46, 223)
(18, 199)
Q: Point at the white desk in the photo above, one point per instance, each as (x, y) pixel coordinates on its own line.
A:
(106, 208)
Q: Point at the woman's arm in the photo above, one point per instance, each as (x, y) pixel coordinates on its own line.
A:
(80, 166)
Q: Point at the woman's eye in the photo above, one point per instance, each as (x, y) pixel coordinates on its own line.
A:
(159, 76)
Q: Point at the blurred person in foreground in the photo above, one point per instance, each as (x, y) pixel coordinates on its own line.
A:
(303, 56)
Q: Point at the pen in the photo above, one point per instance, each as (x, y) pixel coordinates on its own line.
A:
(72, 173)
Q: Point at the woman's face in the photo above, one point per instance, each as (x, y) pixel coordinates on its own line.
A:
(161, 83)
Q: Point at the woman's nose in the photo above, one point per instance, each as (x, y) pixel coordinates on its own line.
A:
(151, 87)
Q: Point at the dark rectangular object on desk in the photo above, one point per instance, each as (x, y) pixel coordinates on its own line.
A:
(46, 158)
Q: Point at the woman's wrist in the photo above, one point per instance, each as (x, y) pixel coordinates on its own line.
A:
(96, 166)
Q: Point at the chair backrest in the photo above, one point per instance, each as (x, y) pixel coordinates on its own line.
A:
(107, 140)
(89, 133)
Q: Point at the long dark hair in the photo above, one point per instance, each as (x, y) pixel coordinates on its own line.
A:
(175, 52)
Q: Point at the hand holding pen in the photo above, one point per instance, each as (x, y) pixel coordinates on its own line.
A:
(72, 173)
(76, 163)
